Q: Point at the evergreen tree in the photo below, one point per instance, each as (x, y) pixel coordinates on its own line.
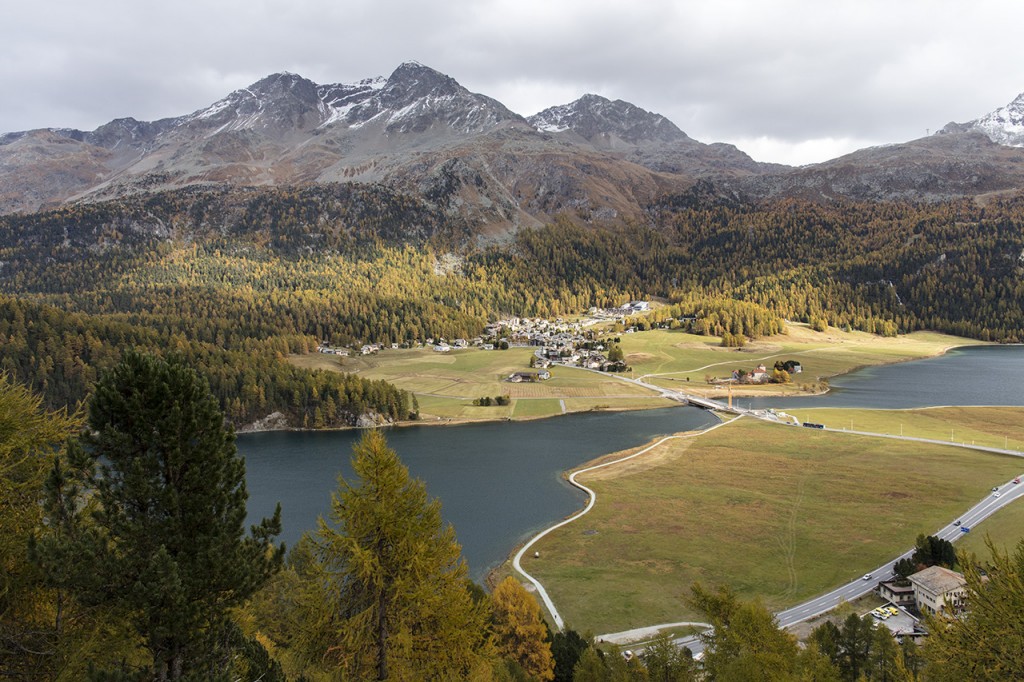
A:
(667, 662)
(566, 647)
(590, 667)
(171, 551)
(885, 661)
(854, 646)
(519, 630)
(986, 644)
(826, 637)
(29, 620)
(747, 644)
(395, 600)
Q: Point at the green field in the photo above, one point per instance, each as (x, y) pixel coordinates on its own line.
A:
(536, 407)
(445, 384)
(669, 358)
(1005, 527)
(996, 427)
(776, 512)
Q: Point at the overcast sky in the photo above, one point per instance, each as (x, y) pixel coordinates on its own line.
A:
(793, 82)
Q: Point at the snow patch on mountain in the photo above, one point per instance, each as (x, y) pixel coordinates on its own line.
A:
(1006, 124)
(1003, 126)
(593, 116)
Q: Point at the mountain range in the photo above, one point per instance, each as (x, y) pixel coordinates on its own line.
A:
(419, 131)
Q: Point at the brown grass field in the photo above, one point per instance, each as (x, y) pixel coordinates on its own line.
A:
(776, 512)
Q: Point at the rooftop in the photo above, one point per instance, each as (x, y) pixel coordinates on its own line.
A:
(938, 580)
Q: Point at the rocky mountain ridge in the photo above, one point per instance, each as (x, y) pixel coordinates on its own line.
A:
(419, 131)
(1003, 126)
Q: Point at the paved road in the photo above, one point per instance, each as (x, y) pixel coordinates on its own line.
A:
(1008, 492)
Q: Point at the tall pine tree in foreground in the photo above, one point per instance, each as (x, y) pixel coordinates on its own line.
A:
(172, 549)
(396, 604)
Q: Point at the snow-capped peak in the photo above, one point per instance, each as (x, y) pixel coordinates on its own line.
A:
(592, 115)
(1003, 126)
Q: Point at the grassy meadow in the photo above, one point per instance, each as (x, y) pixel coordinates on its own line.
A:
(672, 359)
(995, 427)
(776, 512)
(446, 384)
(1005, 528)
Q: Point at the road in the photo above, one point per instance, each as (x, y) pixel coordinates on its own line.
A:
(1008, 492)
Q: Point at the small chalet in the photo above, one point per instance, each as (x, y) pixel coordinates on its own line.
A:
(893, 592)
(759, 375)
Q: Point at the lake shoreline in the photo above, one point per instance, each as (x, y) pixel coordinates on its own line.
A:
(705, 393)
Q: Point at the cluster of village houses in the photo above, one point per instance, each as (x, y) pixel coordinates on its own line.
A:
(557, 341)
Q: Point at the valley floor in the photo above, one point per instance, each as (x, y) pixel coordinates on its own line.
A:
(783, 521)
(447, 384)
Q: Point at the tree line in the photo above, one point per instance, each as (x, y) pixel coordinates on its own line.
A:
(61, 355)
(240, 278)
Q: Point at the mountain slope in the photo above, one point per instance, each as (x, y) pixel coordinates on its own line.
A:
(417, 129)
(644, 138)
(932, 168)
(421, 132)
(1003, 126)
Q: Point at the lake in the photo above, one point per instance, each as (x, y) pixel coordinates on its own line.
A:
(973, 375)
(500, 482)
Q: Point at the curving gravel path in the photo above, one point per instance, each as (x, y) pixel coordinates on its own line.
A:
(516, 562)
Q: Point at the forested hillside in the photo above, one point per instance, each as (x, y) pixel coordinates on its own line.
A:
(235, 280)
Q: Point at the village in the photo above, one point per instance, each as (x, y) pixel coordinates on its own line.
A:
(574, 343)
(589, 342)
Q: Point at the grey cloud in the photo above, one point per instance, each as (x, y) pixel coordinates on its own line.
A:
(789, 71)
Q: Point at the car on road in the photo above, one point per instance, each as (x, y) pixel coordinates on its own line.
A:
(957, 522)
(995, 494)
(867, 576)
(965, 529)
(995, 489)
(1016, 480)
